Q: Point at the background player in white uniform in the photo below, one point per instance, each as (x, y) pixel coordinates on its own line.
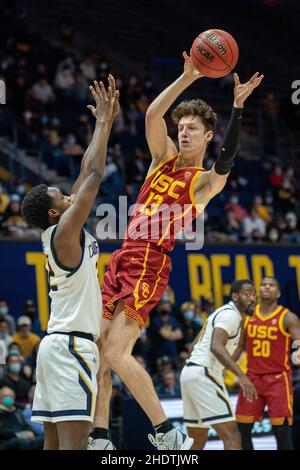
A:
(205, 398)
(68, 358)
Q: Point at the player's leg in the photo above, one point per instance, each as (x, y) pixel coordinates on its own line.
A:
(73, 435)
(230, 435)
(100, 437)
(283, 436)
(246, 435)
(199, 435)
(117, 353)
(50, 436)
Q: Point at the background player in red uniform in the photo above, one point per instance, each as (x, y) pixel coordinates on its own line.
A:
(138, 273)
(269, 333)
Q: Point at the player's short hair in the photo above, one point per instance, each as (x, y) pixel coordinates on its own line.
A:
(274, 279)
(35, 207)
(196, 108)
(237, 286)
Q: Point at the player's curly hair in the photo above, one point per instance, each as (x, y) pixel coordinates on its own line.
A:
(196, 108)
(35, 207)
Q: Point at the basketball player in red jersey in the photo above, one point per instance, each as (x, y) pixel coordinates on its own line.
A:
(138, 273)
(269, 333)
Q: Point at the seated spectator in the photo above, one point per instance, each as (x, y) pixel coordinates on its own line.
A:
(163, 364)
(165, 332)
(4, 315)
(42, 91)
(190, 329)
(254, 227)
(13, 221)
(14, 431)
(37, 428)
(291, 232)
(233, 226)
(4, 200)
(4, 332)
(12, 378)
(234, 206)
(262, 210)
(26, 340)
(169, 386)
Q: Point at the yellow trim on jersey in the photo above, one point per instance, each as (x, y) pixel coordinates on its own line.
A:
(143, 302)
(280, 323)
(136, 290)
(288, 392)
(213, 377)
(75, 349)
(191, 190)
(267, 317)
(92, 400)
(160, 165)
(246, 321)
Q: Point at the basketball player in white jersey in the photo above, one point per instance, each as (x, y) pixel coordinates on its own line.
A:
(205, 398)
(68, 358)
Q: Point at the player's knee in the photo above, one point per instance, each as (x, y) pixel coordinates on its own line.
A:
(232, 439)
(112, 357)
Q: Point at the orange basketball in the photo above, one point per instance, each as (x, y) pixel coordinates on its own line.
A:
(214, 53)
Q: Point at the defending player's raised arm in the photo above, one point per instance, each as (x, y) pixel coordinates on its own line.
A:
(160, 144)
(67, 236)
(216, 178)
(116, 109)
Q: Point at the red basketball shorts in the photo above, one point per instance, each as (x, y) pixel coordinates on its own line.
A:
(138, 274)
(274, 391)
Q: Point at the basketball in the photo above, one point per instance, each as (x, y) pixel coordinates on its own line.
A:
(214, 53)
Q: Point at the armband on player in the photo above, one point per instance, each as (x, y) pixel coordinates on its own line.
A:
(225, 160)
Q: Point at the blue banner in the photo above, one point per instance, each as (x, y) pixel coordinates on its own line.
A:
(207, 273)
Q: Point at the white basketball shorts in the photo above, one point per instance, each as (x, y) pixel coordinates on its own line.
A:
(205, 398)
(66, 387)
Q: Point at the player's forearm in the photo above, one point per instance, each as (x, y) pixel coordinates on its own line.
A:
(162, 103)
(95, 155)
(225, 160)
(226, 360)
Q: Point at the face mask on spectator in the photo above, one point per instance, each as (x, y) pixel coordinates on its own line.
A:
(14, 352)
(15, 368)
(198, 321)
(8, 402)
(165, 298)
(3, 310)
(189, 314)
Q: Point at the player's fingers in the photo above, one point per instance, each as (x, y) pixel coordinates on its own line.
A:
(112, 83)
(236, 79)
(93, 91)
(97, 88)
(109, 93)
(254, 77)
(103, 91)
(186, 56)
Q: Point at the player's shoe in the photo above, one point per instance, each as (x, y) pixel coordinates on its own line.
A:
(100, 444)
(172, 440)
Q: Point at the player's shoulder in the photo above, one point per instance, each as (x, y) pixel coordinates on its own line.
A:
(226, 312)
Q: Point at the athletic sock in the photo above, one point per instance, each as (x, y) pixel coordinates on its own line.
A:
(100, 433)
(164, 427)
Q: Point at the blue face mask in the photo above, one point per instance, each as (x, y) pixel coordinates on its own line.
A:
(198, 321)
(165, 298)
(8, 402)
(3, 310)
(15, 368)
(189, 314)
(14, 352)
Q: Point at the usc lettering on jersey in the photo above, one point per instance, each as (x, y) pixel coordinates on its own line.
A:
(268, 344)
(165, 205)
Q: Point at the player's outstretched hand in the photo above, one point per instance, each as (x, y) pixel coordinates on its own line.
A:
(107, 102)
(249, 391)
(243, 90)
(189, 69)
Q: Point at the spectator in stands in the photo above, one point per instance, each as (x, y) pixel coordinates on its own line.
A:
(189, 327)
(88, 68)
(37, 428)
(234, 206)
(262, 210)
(13, 222)
(27, 341)
(254, 227)
(30, 310)
(165, 332)
(4, 200)
(42, 91)
(12, 378)
(64, 79)
(291, 232)
(232, 226)
(276, 176)
(14, 431)
(4, 332)
(4, 314)
(169, 386)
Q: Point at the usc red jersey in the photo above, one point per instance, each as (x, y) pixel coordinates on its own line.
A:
(268, 344)
(165, 205)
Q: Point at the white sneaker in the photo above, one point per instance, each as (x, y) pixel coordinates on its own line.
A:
(172, 440)
(100, 444)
